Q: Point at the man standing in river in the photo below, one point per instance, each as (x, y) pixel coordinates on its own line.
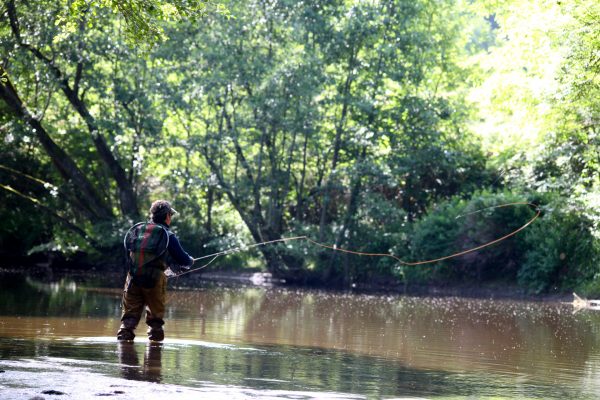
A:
(149, 245)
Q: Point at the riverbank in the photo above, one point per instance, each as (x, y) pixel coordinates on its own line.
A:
(114, 278)
(481, 291)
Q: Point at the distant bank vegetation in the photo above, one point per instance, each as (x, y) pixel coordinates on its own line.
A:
(374, 126)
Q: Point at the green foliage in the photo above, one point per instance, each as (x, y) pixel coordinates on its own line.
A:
(564, 246)
(297, 130)
(434, 236)
(558, 252)
(569, 162)
(144, 20)
(459, 225)
(373, 126)
(562, 253)
(23, 227)
(380, 227)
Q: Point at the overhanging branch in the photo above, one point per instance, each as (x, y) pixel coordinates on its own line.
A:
(68, 224)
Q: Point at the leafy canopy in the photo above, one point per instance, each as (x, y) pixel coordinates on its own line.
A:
(144, 18)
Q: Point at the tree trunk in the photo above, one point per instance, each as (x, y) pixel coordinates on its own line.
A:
(210, 198)
(89, 200)
(280, 265)
(127, 197)
(351, 210)
(337, 144)
(300, 190)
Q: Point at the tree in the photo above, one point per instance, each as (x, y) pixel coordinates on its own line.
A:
(300, 109)
(73, 57)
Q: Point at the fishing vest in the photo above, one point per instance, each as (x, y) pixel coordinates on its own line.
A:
(146, 250)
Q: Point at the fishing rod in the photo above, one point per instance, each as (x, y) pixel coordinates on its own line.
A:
(360, 253)
(229, 251)
(245, 247)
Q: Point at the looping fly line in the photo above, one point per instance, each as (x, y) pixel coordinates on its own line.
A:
(360, 253)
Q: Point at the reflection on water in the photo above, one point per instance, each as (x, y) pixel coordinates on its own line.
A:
(294, 341)
(150, 370)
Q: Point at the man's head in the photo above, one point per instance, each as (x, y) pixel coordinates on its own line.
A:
(161, 212)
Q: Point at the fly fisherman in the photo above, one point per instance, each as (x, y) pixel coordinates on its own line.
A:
(151, 247)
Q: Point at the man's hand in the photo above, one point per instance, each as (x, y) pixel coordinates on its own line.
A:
(169, 273)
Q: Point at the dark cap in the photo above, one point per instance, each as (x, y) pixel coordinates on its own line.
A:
(160, 209)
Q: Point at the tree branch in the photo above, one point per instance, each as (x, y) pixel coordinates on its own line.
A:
(51, 212)
(78, 75)
(61, 160)
(127, 196)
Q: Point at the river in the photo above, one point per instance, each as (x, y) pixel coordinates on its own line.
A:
(57, 342)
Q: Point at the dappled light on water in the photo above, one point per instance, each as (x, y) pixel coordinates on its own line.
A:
(238, 342)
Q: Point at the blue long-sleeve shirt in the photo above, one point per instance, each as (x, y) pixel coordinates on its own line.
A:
(177, 253)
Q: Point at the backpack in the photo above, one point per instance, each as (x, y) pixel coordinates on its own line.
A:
(146, 249)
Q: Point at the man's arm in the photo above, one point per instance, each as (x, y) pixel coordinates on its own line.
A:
(178, 254)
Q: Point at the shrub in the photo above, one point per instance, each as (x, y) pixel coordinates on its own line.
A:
(434, 236)
(562, 253)
(458, 225)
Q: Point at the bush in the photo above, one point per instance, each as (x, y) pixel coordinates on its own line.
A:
(562, 254)
(379, 226)
(434, 236)
(458, 225)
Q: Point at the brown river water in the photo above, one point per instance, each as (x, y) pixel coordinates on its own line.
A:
(239, 342)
